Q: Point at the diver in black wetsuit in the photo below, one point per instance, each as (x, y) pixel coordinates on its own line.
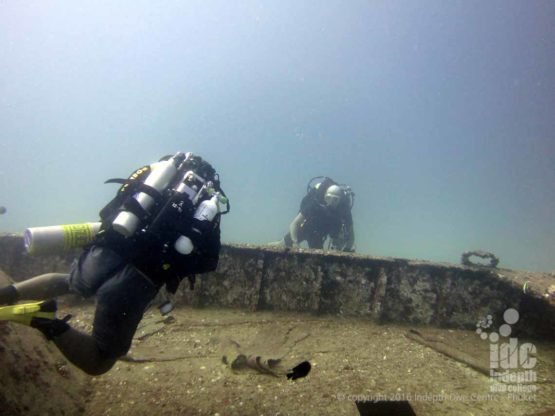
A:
(325, 211)
(126, 264)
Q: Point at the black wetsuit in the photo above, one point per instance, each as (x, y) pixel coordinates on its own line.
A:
(321, 220)
(122, 294)
(126, 275)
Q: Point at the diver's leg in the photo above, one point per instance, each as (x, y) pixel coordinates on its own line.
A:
(95, 268)
(121, 303)
(44, 286)
(82, 351)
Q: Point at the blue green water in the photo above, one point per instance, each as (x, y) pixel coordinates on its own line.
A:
(440, 115)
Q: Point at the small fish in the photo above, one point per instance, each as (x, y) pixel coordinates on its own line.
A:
(262, 366)
(3, 210)
(238, 363)
(299, 371)
(254, 362)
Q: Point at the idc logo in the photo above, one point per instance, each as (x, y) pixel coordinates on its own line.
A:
(512, 363)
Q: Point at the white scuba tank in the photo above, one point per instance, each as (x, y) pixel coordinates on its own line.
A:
(206, 211)
(126, 223)
(191, 184)
(57, 238)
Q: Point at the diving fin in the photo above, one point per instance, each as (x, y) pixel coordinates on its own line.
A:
(25, 312)
(38, 315)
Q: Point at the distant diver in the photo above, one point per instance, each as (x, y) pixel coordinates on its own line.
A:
(325, 211)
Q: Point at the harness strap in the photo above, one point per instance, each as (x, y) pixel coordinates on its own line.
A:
(138, 186)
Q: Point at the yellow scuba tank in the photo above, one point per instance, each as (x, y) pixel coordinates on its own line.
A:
(57, 238)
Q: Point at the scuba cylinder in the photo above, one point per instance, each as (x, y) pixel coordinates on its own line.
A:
(56, 238)
(161, 208)
(127, 222)
(206, 211)
(191, 186)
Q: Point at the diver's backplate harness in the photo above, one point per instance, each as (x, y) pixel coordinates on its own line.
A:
(170, 206)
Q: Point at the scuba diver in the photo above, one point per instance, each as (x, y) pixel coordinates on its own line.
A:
(162, 225)
(325, 211)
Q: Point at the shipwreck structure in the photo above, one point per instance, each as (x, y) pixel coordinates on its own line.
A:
(386, 290)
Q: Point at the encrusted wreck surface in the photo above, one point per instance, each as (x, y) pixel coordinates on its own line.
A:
(351, 285)
(376, 337)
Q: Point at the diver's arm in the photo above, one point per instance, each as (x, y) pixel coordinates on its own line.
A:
(349, 234)
(350, 243)
(295, 226)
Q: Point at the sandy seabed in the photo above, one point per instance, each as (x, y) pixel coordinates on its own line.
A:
(177, 367)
